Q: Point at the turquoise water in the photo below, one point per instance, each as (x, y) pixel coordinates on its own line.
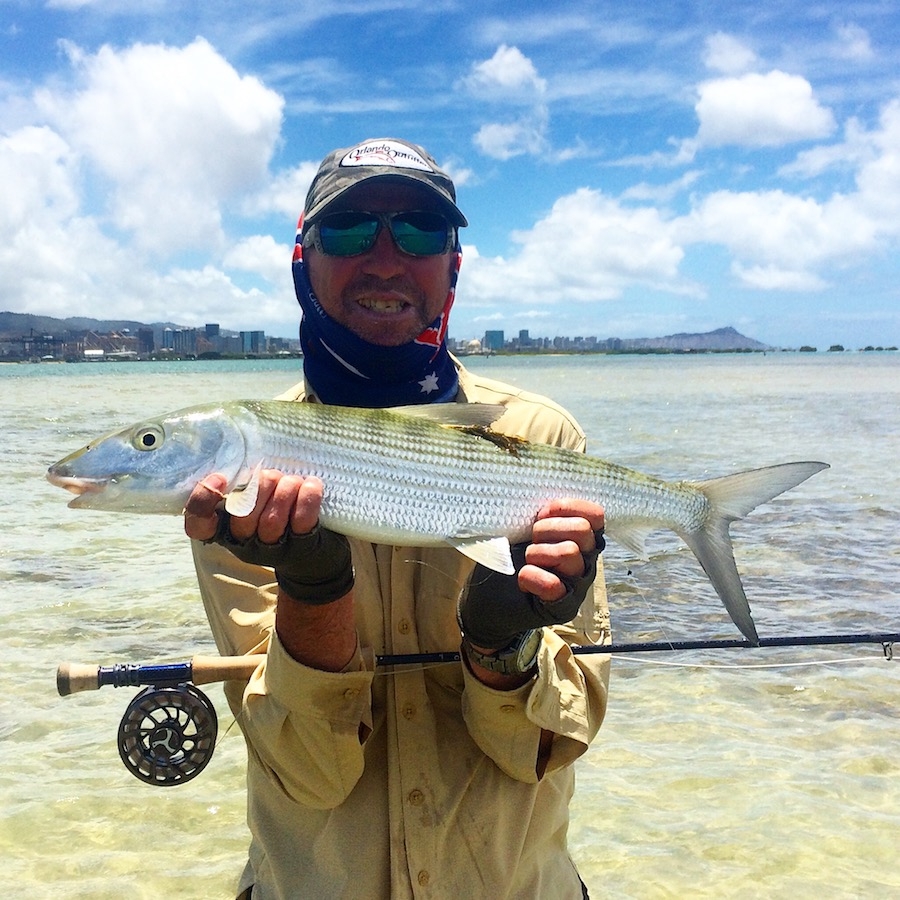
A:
(716, 774)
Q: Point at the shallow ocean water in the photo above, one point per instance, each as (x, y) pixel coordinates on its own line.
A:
(740, 773)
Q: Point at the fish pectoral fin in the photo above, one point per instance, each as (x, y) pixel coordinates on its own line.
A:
(492, 553)
(241, 500)
(631, 538)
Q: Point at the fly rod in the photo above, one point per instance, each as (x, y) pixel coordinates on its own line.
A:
(72, 678)
(168, 732)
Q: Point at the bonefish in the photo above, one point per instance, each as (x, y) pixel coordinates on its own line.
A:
(427, 475)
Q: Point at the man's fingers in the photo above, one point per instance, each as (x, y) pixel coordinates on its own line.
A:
(274, 507)
(308, 503)
(200, 516)
(563, 530)
(570, 508)
(542, 583)
(562, 557)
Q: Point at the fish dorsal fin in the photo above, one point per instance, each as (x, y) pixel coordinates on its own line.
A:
(459, 415)
(492, 553)
(240, 501)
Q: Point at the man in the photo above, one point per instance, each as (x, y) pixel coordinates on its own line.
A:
(428, 782)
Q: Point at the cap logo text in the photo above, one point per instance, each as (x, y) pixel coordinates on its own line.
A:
(386, 153)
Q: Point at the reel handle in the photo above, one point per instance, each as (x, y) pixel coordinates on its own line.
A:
(73, 678)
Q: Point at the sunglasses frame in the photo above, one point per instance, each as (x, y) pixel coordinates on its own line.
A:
(385, 220)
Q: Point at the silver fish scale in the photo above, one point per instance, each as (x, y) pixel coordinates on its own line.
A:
(391, 477)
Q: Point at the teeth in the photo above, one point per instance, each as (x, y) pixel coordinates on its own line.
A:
(381, 305)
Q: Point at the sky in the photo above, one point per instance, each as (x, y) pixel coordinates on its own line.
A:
(628, 170)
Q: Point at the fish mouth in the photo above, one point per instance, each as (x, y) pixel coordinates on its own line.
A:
(77, 486)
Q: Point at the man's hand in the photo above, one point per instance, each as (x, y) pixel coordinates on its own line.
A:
(563, 532)
(284, 500)
(554, 573)
(312, 564)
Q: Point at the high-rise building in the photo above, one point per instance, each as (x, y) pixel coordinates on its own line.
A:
(493, 340)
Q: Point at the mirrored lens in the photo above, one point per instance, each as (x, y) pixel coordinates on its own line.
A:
(419, 233)
(348, 233)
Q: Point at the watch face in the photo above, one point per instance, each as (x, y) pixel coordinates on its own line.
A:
(515, 659)
(527, 650)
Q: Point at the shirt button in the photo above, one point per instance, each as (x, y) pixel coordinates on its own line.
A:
(409, 711)
(416, 797)
(423, 877)
(351, 694)
(403, 626)
(507, 708)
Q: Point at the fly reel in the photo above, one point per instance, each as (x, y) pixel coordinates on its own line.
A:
(168, 734)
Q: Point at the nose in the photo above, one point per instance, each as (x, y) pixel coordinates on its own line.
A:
(385, 259)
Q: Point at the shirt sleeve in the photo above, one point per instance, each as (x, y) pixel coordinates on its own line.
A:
(567, 697)
(305, 726)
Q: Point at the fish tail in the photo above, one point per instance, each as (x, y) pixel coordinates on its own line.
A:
(731, 498)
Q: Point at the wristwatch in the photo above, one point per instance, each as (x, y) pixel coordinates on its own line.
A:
(516, 658)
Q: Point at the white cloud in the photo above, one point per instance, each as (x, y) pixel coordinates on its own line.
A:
(756, 110)
(506, 140)
(176, 131)
(38, 174)
(854, 43)
(169, 138)
(878, 179)
(285, 193)
(588, 248)
(509, 77)
(856, 148)
(725, 53)
(262, 255)
(661, 194)
(777, 226)
(784, 241)
(773, 278)
(507, 74)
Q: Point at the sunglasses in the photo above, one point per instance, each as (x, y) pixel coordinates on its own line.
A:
(352, 233)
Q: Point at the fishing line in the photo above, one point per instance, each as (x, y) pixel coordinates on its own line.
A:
(787, 665)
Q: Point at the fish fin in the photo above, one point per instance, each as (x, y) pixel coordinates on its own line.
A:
(734, 496)
(454, 414)
(631, 537)
(242, 499)
(712, 546)
(492, 553)
(730, 498)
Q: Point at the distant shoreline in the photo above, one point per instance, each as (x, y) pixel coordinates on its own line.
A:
(505, 354)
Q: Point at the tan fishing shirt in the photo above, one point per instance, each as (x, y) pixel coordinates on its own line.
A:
(412, 781)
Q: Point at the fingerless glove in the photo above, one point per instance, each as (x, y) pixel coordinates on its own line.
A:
(493, 610)
(314, 568)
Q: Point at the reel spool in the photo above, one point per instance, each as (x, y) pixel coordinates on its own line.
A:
(168, 734)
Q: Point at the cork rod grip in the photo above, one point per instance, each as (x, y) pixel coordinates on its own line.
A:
(73, 678)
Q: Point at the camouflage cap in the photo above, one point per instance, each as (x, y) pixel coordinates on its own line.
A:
(392, 158)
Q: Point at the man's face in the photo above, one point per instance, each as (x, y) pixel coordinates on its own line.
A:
(384, 296)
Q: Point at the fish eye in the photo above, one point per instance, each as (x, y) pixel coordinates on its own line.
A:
(148, 437)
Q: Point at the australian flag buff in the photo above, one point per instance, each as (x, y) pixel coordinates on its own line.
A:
(345, 370)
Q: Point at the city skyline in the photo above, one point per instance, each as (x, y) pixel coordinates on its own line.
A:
(60, 341)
